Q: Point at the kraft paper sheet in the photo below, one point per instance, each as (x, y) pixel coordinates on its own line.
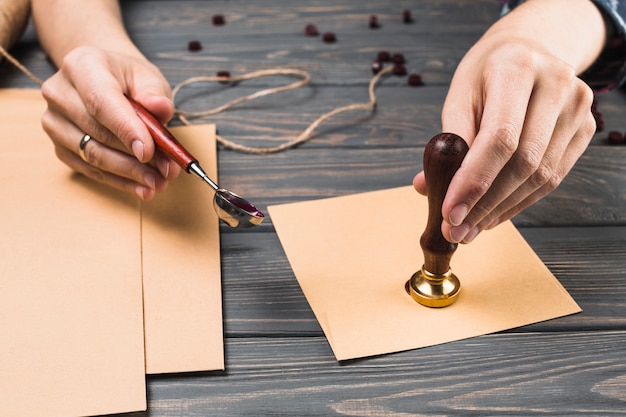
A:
(354, 254)
(181, 268)
(73, 304)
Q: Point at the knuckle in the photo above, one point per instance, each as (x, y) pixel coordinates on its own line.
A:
(47, 122)
(504, 140)
(52, 92)
(94, 101)
(585, 94)
(588, 128)
(517, 55)
(92, 154)
(528, 163)
(476, 189)
(543, 175)
(564, 75)
(554, 182)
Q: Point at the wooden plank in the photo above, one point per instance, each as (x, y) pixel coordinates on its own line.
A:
(278, 362)
(520, 374)
(268, 33)
(594, 193)
(262, 296)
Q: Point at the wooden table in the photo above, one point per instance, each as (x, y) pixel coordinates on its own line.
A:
(278, 362)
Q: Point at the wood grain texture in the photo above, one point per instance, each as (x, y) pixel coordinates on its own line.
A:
(497, 375)
(278, 362)
(262, 296)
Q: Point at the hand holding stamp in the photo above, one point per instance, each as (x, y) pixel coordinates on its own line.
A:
(435, 285)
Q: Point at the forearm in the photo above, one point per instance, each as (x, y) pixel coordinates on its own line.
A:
(63, 25)
(571, 30)
(13, 19)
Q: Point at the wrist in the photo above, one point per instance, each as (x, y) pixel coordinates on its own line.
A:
(571, 30)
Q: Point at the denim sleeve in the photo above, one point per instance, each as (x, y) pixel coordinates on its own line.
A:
(609, 70)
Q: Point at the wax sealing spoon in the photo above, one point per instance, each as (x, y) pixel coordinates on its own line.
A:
(234, 210)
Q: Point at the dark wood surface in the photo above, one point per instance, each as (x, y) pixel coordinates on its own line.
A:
(278, 362)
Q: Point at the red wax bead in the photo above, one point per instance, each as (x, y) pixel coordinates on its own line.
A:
(406, 16)
(218, 20)
(224, 74)
(616, 138)
(384, 56)
(398, 59)
(329, 37)
(311, 30)
(374, 22)
(415, 80)
(376, 67)
(194, 46)
(399, 70)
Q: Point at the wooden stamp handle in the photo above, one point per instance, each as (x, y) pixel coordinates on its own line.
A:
(442, 158)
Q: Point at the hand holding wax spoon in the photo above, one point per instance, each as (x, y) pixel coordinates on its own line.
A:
(230, 208)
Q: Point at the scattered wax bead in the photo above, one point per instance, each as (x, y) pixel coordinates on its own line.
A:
(616, 138)
(398, 59)
(224, 74)
(329, 37)
(376, 67)
(384, 56)
(218, 20)
(374, 22)
(406, 16)
(194, 46)
(415, 80)
(399, 70)
(311, 30)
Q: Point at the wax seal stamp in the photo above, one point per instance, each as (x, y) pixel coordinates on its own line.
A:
(434, 285)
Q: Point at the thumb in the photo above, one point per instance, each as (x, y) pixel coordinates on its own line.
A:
(157, 103)
(151, 90)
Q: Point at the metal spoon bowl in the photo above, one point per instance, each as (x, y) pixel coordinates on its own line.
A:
(236, 211)
(231, 208)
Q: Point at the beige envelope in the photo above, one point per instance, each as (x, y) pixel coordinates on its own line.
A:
(71, 315)
(353, 255)
(181, 268)
(71, 296)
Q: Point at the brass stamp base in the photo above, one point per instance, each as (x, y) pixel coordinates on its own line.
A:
(434, 290)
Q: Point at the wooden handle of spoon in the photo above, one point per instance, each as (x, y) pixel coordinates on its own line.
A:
(163, 137)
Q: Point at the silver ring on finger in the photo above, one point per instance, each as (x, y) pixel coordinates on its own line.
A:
(82, 145)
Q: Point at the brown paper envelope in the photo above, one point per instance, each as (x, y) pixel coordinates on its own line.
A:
(71, 319)
(354, 254)
(181, 270)
(181, 267)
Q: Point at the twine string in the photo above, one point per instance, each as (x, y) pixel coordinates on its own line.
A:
(306, 135)
(185, 116)
(19, 65)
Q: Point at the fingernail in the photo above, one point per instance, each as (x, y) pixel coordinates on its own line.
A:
(164, 167)
(150, 180)
(458, 214)
(457, 233)
(139, 191)
(138, 149)
(471, 235)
